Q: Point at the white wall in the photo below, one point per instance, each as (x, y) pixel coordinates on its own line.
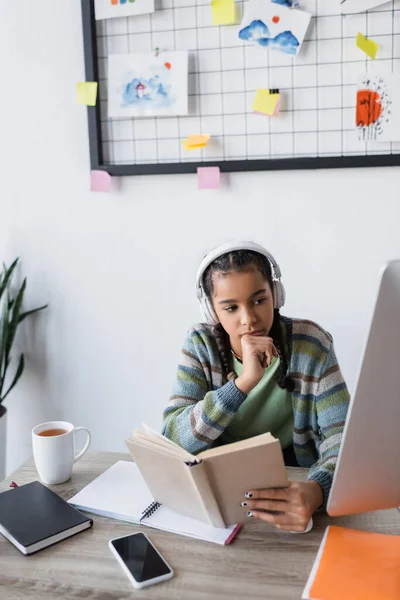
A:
(118, 270)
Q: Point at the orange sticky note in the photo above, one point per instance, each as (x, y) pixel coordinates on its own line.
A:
(195, 141)
(267, 102)
(355, 564)
(86, 93)
(368, 46)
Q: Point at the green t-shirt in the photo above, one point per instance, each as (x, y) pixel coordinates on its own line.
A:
(266, 408)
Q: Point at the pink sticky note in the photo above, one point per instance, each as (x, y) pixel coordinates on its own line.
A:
(100, 181)
(208, 178)
(277, 108)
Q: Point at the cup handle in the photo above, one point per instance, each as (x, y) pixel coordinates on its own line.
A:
(86, 446)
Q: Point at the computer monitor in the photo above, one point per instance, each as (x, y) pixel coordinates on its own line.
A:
(367, 475)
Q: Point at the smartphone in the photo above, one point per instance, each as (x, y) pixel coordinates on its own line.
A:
(141, 561)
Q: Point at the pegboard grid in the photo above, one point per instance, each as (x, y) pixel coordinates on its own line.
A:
(317, 117)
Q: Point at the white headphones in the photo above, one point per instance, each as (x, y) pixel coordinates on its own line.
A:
(206, 308)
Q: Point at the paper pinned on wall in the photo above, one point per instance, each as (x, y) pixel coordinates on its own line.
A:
(356, 6)
(148, 85)
(109, 9)
(223, 12)
(193, 142)
(86, 93)
(208, 178)
(378, 108)
(366, 45)
(274, 26)
(267, 102)
(100, 181)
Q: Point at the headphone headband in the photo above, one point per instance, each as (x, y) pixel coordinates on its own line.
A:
(231, 247)
(278, 289)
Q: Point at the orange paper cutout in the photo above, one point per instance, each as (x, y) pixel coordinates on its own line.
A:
(369, 107)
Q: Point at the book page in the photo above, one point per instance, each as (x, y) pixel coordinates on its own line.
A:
(156, 439)
(253, 442)
(119, 492)
(232, 474)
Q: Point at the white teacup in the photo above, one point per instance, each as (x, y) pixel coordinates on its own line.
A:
(54, 450)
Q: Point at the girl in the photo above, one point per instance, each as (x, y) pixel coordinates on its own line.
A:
(248, 370)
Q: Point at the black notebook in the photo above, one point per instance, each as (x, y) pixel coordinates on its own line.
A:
(33, 517)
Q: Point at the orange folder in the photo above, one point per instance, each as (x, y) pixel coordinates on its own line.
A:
(355, 565)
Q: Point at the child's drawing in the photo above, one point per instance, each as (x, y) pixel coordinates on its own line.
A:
(148, 85)
(288, 3)
(378, 108)
(274, 25)
(110, 9)
(357, 6)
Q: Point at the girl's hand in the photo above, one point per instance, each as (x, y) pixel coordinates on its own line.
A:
(294, 505)
(257, 354)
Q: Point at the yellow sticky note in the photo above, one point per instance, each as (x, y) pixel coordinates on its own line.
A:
(86, 93)
(368, 46)
(223, 12)
(266, 102)
(195, 141)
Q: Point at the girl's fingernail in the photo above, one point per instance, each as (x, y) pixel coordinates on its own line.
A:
(244, 504)
(248, 495)
(249, 514)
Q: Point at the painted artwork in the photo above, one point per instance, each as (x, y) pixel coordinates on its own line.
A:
(357, 6)
(111, 9)
(378, 108)
(272, 25)
(141, 85)
(288, 3)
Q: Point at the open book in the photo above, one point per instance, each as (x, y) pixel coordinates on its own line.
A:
(210, 486)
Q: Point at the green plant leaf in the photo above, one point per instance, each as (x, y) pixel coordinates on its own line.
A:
(7, 276)
(10, 317)
(30, 312)
(3, 339)
(17, 375)
(14, 318)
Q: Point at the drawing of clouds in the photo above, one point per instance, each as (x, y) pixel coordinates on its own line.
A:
(155, 90)
(256, 31)
(285, 42)
(275, 24)
(288, 3)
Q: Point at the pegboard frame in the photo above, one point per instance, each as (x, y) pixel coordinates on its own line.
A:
(268, 164)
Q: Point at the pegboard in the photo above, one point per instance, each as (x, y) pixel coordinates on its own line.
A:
(316, 124)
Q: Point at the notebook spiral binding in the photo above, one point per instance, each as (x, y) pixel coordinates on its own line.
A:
(150, 510)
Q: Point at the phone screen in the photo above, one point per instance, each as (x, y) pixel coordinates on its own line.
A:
(140, 557)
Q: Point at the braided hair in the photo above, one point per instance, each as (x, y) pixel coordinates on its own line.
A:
(242, 260)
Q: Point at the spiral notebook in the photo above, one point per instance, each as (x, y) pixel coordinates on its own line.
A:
(121, 493)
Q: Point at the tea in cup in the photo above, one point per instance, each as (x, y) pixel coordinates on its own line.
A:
(54, 450)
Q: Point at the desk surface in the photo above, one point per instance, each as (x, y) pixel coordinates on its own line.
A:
(261, 563)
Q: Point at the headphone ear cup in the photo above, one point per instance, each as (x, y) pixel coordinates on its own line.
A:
(279, 294)
(207, 311)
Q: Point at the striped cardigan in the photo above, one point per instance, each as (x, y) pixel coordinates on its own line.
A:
(203, 402)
